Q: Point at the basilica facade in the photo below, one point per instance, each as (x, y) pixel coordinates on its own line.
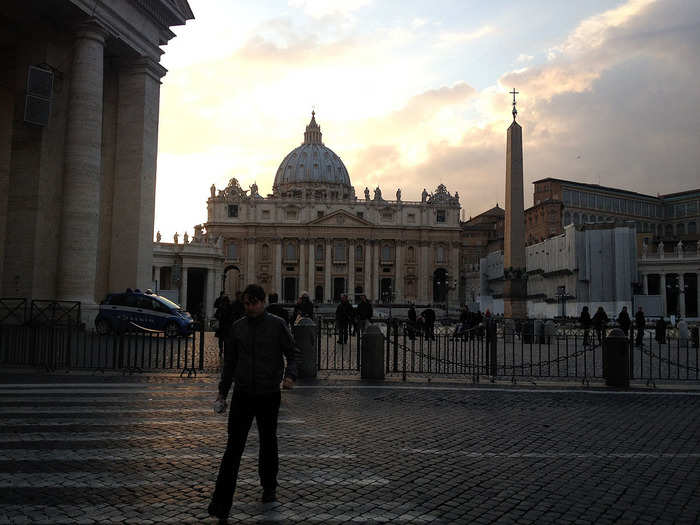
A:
(314, 234)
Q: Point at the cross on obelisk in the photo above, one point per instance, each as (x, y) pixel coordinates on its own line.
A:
(515, 111)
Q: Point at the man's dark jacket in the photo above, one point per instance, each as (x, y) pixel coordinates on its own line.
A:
(253, 355)
(364, 311)
(639, 320)
(344, 313)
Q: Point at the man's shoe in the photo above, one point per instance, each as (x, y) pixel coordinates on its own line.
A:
(215, 512)
(269, 495)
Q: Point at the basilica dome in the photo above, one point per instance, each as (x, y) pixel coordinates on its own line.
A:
(312, 165)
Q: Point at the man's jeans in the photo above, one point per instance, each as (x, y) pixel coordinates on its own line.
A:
(244, 407)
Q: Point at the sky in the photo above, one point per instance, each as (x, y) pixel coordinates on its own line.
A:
(411, 94)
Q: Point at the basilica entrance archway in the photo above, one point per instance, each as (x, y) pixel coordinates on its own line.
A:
(289, 290)
(440, 285)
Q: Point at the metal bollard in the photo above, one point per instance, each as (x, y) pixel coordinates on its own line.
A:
(372, 366)
(616, 359)
(305, 337)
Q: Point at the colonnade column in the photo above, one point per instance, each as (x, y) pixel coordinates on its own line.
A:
(645, 284)
(453, 285)
(210, 293)
(277, 287)
(662, 292)
(302, 265)
(80, 214)
(250, 262)
(681, 295)
(398, 273)
(424, 275)
(376, 271)
(183, 287)
(368, 270)
(351, 272)
(312, 268)
(156, 278)
(327, 292)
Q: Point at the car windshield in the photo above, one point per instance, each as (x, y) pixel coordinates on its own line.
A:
(169, 303)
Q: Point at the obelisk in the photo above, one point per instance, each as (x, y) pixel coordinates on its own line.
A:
(514, 285)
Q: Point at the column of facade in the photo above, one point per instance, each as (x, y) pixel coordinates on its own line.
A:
(376, 271)
(645, 284)
(681, 294)
(131, 250)
(424, 276)
(277, 286)
(302, 265)
(453, 285)
(351, 272)
(312, 267)
(327, 292)
(183, 287)
(156, 278)
(250, 263)
(398, 273)
(368, 271)
(697, 292)
(77, 264)
(209, 294)
(662, 291)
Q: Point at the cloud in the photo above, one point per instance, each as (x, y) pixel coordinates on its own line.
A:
(451, 38)
(324, 8)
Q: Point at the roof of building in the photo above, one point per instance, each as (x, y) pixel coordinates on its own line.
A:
(312, 162)
(596, 187)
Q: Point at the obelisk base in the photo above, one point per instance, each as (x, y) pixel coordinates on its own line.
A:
(515, 299)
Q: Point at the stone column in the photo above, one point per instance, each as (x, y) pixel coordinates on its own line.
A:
(278, 269)
(156, 277)
(681, 294)
(183, 287)
(453, 284)
(376, 270)
(209, 294)
(312, 268)
(302, 265)
(77, 258)
(351, 272)
(250, 263)
(645, 284)
(424, 276)
(398, 273)
(368, 270)
(327, 292)
(131, 252)
(662, 286)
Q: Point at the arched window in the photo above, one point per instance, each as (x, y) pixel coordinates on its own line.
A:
(290, 252)
(319, 253)
(232, 251)
(440, 254)
(411, 254)
(265, 252)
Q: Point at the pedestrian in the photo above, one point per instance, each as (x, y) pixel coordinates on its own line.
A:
(364, 313)
(237, 310)
(585, 321)
(429, 316)
(343, 318)
(600, 320)
(303, 308)
(223, 318)
(639, 324)
(255, 347)
(623, 319)
(412, 320)
(275, 308)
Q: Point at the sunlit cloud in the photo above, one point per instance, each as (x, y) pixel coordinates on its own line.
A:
(450, 38)
(323, 8)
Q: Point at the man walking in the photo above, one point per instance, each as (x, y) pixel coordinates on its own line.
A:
(623, 319)
(343, 318)
(639, 324)
(254, 351)
(364, 313)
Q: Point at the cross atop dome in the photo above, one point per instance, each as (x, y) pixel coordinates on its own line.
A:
(312, 135)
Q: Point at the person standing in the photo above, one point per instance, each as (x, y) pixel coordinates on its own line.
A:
(256, 346)
(600, 320)
(429, 316)
(639, 324)
(275, 308)
(303, 308)
(237, 310)
(585, 321)
(364, 313)
(623, 319)
(412, 321)
(343, 318)
(223, 317)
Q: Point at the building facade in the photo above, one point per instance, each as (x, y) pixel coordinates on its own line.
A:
(78, 143)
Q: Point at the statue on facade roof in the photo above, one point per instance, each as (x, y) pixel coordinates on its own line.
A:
(233, 192)
(377, 194)
(366, 193)
(176, 238)
(679, 249)
(212, 189)
(424, 196)
(198, 233)
(158, 236)
(254, 192)
(186, 238)
(398, 195)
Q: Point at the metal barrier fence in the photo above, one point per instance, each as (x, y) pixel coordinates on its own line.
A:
(502, 352)
(73, 348)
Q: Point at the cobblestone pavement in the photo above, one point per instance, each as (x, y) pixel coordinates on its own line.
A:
(146, 449)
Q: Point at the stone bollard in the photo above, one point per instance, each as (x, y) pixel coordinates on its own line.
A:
(305, 337)
(550, 330)
(539, 331)
(372, 362)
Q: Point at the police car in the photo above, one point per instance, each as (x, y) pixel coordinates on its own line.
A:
(136, 310)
